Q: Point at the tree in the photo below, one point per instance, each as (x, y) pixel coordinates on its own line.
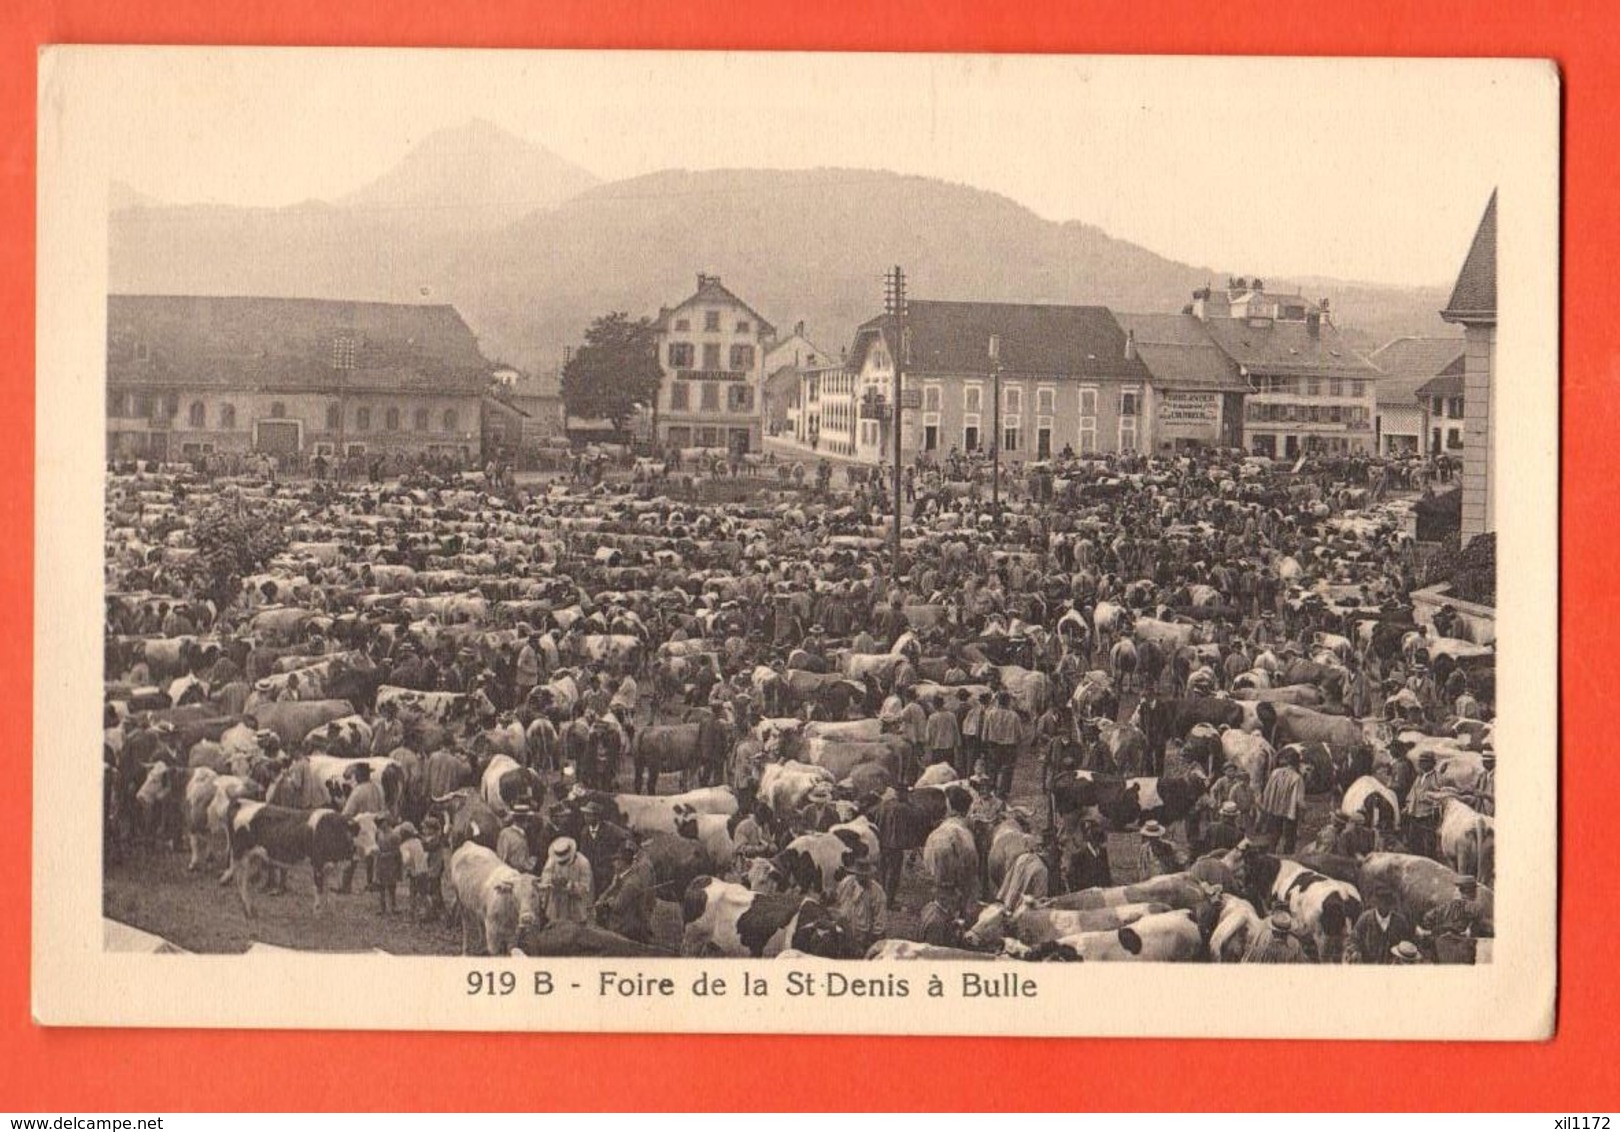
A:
(615, 372)
(232, 544)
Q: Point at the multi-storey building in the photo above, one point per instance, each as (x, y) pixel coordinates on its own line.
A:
(711, 348)
(1473, 306)
(1195, 396)
(1069, 379)
(1311, 392)
(1406, 366)
(294, 378)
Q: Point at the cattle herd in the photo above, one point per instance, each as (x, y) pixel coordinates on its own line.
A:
(1170, 709)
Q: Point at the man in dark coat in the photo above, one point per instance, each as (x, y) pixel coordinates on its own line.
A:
(1087, 863)
(626, 906)
(1378, 931)
(600, 841)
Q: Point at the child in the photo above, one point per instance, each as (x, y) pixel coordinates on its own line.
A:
(389, 865)
(433, 879)
(413, 858)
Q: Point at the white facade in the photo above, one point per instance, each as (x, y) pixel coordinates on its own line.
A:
(712, 351)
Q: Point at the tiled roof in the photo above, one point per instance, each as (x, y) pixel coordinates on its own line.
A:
(1407, 363)
(1287, 348)
(290, 344)
(1449, 383)
(1180, 354)
(711, 290)
(954, 337)
(1473, 299)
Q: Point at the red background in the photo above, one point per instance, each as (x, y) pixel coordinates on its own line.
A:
(66, 1070)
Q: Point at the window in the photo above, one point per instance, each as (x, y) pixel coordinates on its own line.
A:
(973, 399)
(932, 396)
(708, 437)
(198, 416)
(970, 434)
(682, 324)
(1129, 404)
(278, 410)
(711, 396)
(450, 420)
(711, 320)
(1455, 408)
(362, 420)
(391, 420)
(1014, 397)
(1043, 439)
(1127, 434)
(1336, 414)
(680, 355)
(1336, 386)
(1088, 436)
(680, 436)
(1358, 389)
(1010, 438)
(743, 326)
(171, 405)
(1313, 387)
(419, 420)
(680, 397)
(742, 357)
(1454, 438)
(711, 355)
(334, 417)
(931, 434)
(1046, 401)
(740, 398)
(227, 416)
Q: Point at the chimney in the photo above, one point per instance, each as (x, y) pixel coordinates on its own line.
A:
(798, 328)
(703, 281)
(1313, 324)
(1130, 345)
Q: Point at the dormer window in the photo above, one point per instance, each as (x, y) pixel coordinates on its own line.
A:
(711, 320)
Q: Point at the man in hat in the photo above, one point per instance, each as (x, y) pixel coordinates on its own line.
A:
(1003, 733)
(1485, 788)
(365, 798)
(1423, 808)
(1378, 930)
(599, 841)
(861, 904)
(1328, 836)
(1406, 954)
(1158, 855)
(1281, 800)
(387, 732)
(567, 889)
(1226, 831)
(626, 907)
(1357, 840)
(942, 735)
(1466, 914)
(819, 813)
(1277, 944)
(512, 846)
(526, 670)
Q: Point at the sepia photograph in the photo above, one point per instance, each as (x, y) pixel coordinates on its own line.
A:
(1012, 514)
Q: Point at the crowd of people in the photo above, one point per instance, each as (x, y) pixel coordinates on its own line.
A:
(1097, 718)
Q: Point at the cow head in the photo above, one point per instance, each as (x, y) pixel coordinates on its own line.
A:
(990, 929)
(819, 933)
(363, 833)
(767, 876)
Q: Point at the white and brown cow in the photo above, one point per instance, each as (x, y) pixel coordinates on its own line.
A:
(495, 900)
(727, 919)
(282, 837)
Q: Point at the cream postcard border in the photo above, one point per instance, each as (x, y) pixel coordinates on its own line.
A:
(84, 90)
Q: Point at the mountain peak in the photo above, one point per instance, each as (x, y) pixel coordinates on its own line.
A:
(472, 175)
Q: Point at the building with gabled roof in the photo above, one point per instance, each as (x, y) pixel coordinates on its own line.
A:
(711, 347)
(1473, 307)
(1067, 376)
(1311, 392)
(1196, 391)
(1406, 366)
(294, 378)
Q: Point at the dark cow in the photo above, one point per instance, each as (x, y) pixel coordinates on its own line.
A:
(275, 835)
(682, 748)
(1163, 720)
(727, 919)
(575, 940)
(1324, 907)
(1128, 802)
(1283, 724)
(467, 817)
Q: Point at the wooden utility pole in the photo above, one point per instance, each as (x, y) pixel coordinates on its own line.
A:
(894, 301)
(995, 435)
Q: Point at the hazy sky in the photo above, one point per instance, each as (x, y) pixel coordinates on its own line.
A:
(1371, 170)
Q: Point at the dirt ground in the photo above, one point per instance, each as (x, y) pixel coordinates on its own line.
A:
(153, 891)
